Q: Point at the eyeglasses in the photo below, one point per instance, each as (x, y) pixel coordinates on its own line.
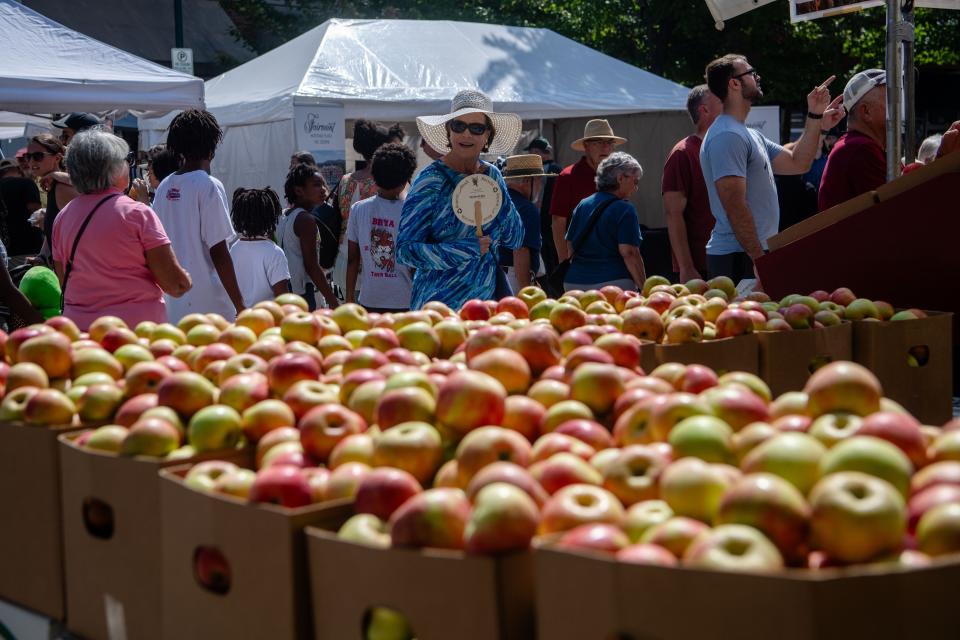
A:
(476, 128)
(749, 72)
(36, 156)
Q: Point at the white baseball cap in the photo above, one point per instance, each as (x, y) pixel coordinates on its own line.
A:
(861, 84)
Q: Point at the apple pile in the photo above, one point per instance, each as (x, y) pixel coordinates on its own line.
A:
(485, 428)
(696, 311)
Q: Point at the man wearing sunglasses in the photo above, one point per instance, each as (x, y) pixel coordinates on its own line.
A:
(576, 182)
(739, 163)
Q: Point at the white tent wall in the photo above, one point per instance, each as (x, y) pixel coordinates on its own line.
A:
(255, 156)
(650, 137)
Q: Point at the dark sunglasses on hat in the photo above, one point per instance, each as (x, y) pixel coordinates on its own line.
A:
(36, 156)
(476, 128)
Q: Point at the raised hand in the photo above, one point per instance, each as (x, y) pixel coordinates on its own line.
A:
(819, 99)
(951, 140)
(834, 113)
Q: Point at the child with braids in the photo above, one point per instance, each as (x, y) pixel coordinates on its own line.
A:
(194, 210)
(261, 265)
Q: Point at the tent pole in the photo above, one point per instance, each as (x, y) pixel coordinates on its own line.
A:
(910, 87)
(178, 22)
(894, 89)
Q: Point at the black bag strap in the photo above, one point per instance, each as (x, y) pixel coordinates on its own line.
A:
(594, 217)
(67, 268)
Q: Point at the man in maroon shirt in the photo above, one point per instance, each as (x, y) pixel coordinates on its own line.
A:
(858, 162)
(685, 200)
(576, 182)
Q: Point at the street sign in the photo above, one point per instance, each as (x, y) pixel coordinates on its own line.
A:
(182, 60)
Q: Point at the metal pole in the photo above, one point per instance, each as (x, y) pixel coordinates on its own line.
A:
(178, 22)
(910, 88)
(894, 89)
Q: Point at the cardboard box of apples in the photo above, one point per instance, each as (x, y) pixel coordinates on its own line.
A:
(478, 430)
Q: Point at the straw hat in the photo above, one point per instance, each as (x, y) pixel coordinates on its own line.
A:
(524, 166)
(507, 125)
(595, 129)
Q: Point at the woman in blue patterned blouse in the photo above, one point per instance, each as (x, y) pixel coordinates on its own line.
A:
(452, 264)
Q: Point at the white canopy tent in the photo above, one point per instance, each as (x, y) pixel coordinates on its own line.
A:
(395, 70)
(48, 68)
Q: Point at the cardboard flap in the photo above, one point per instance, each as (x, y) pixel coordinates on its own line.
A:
(575, 596)
(913, 360)
(264, 548)
(443, 594)
(789, 358)
(31, 539)
(727, 354)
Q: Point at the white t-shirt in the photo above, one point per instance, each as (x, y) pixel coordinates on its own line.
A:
(195, 213)
(259, 264)
(373, 223)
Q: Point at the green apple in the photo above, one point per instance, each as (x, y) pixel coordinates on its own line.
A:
(795, 457)
(215, 427)
(857, 517)
(872, 456)
(733, 547)
(706, 437)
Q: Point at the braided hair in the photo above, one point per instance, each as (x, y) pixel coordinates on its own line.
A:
(194, 134)
(255, 212)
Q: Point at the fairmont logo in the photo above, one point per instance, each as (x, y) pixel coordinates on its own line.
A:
(313, 125)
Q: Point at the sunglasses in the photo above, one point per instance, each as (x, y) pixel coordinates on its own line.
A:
(476, 128)
(749, 72)
(36, 156)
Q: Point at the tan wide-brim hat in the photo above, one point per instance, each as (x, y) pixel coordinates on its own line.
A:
(597, 129)
(524, 166)
(507, 125)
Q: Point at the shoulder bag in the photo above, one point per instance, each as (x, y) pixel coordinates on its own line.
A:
(553, 283)
(67, 268)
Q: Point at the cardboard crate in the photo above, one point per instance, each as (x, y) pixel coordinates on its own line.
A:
(443, 594)
(729, 354)
(648, 355)
(788, 358)
(265, 548)
(588, 596)
(113, 560)
(925, 390)
(31, 540)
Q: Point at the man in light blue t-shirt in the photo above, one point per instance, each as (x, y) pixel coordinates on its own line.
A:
(738, 165)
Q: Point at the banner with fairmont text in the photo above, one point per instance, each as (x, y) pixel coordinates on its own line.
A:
(320, 130)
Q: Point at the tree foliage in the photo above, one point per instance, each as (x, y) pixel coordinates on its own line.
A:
(671, 38)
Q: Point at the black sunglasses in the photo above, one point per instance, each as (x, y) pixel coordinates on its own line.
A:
(476, 128)
(36, 156)
(749, 72)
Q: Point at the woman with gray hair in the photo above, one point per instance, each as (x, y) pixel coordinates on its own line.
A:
(604, 234)
(110, 252)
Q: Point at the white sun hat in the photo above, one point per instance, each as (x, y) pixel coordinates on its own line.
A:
(507, 125)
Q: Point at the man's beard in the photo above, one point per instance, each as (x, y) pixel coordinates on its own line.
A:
(754, 94)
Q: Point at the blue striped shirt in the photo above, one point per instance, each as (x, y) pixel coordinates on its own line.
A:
(443, 250)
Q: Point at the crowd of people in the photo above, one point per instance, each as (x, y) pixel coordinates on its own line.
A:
(93, 242)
